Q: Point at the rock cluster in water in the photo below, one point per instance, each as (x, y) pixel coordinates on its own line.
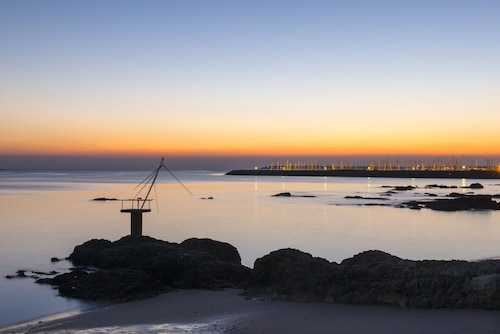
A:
(138, 267)
(457, 202)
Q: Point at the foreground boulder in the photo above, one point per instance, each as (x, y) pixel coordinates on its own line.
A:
(290, 274)
(135, 267)
(375, 277)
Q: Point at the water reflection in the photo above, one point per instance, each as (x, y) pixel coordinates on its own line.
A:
(44, 217)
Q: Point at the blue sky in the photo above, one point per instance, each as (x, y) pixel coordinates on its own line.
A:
(202, 73)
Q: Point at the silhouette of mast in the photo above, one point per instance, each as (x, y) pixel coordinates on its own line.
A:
(138, 204)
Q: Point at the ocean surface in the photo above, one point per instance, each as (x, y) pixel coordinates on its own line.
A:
(45, 214)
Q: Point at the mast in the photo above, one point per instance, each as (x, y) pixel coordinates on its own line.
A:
(137, 205)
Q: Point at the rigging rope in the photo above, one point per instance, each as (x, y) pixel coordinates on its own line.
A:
(151, 179)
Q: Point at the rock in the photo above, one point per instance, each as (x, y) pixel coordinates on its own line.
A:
(118, 284)
(138, 267)
(440, 186)
(222, 250)
(485, 291)
(367, 198)
(375, 277)
(290, 274)
(133, 267)
(404, 188)
(89, 251)
(476, 186)
(285, 194)
(467, 202)
(458, 202)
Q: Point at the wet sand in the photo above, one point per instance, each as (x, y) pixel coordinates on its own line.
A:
(201, 311)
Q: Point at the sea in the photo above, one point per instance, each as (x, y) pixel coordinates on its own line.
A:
(44, 214)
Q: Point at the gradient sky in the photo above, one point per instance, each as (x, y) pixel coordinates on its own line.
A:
(249, 78)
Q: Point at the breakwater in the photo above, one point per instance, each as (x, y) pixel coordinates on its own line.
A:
(431, 174)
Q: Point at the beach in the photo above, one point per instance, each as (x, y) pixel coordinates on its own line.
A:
(227, 311)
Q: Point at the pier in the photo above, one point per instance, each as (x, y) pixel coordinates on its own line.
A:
(413, 168)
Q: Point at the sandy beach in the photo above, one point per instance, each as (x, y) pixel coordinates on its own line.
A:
(202, 311)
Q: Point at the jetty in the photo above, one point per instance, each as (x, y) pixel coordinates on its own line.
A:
(427, 174)
(413, 169)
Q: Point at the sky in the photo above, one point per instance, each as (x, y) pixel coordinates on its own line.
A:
(215, 83)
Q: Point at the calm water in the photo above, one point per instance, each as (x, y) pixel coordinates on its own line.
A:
(45, 214)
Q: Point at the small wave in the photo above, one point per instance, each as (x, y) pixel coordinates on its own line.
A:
(215, 327)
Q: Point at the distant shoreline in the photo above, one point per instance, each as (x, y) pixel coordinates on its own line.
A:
(427, 174)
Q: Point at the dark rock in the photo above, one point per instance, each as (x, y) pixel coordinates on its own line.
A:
(149, 266)
(138, 267)
(367, 198)
(458, 202)
(476, 186)
(19, 274)
(89, 251)
(468, 202)
(118, 284)
(285, 194)
(290, 274)
(103, 199)
(404, 188)
(440, 186)
(375, 277)
(43, 273)
(223, 250)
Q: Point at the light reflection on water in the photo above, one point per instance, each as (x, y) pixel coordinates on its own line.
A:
(46, 214)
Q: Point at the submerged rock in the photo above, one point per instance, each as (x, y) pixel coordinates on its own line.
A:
(287, 194)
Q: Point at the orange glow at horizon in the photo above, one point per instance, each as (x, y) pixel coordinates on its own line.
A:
(264, 136)
(255, 147)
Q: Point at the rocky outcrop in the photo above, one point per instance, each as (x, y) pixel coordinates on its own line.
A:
(375, 277)
(290, 274)
(136, 266)
(222, 250)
